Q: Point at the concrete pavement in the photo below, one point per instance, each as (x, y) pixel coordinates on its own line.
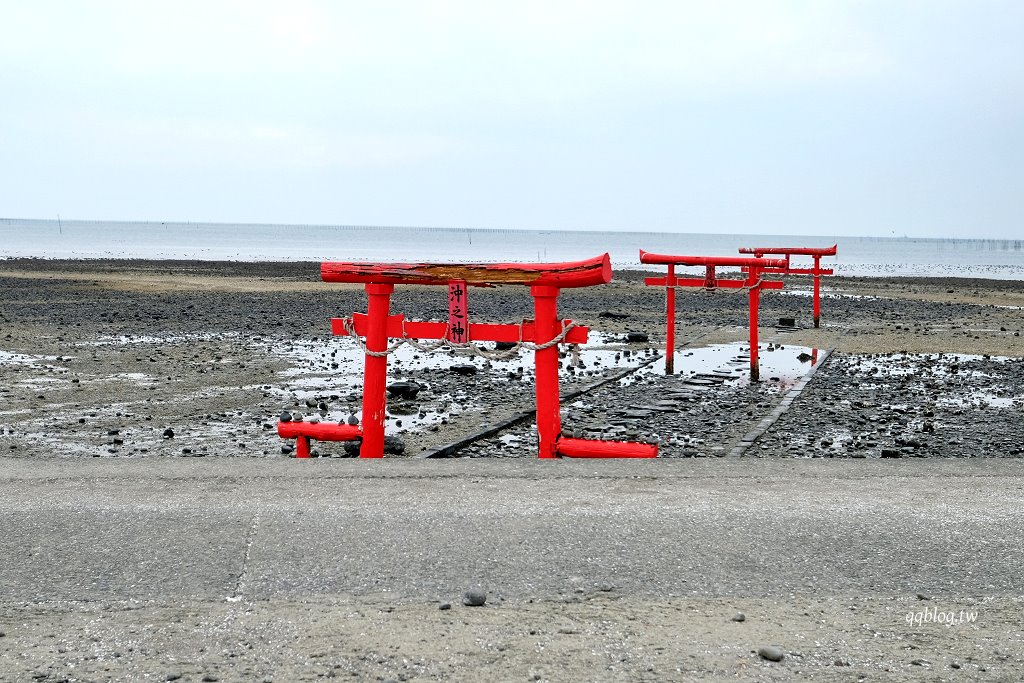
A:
(234, 528)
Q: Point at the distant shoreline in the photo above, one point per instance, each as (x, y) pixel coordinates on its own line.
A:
(310, 270)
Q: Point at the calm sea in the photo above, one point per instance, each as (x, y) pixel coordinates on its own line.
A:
(1001, 259)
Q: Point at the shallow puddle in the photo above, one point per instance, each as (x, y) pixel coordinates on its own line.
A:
(780, 365)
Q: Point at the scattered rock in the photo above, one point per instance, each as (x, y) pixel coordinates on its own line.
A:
(285, 416)
(474, 597)
(636, 337)
(404, 390)
(168, 433)
(739, 616)
(772, 653)
(464, 369)
(891, 453)
(445, 606)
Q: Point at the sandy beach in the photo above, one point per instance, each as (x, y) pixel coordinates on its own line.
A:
(875, 478)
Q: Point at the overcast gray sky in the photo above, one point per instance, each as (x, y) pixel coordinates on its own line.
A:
(881, 117)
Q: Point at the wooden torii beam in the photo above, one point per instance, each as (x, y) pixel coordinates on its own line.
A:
(817, 271)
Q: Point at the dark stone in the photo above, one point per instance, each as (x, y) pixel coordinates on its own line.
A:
(771, 652)
(466, 369)
(445, 606)
(636, 337)
(787, 322)
(504, 346)
(803, 357)
(405, 390)
(740, 616)
(353, 420)
(173, 676)
(286, 416)
(614, 315)
(891, 453)
(394, 445)
(474, 598)
(168, 433)
(287, 449)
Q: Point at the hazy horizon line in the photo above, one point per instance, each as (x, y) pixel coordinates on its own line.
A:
(356, 226)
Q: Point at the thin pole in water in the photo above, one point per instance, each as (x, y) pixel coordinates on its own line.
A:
(60, 228)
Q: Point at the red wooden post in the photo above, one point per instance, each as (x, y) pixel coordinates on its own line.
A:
(301, 446)
(817, 291)
(549, 419)
(670, 317)
(754, 294)
(376, 370)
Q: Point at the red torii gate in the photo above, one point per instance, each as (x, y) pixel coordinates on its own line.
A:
(753, 268)
(817, 271)
(544, 333)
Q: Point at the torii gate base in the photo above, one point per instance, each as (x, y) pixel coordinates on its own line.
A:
(752, 283)
(545, 332)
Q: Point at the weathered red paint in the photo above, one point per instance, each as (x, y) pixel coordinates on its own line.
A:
(545, 280)
(549, 419)
(752, 267)
(817, 271)
(595, 271)
(586, 448)
(670, 318)
(801, 251)
(375, 370)
(302, 432)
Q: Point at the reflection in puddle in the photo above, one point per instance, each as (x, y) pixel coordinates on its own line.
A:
(781, 365)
